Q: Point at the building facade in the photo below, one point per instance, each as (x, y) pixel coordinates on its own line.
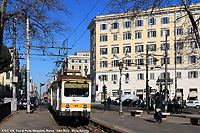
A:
(79, 61)
(124, 37)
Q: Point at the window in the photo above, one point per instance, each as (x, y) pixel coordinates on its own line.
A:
(126, 49)
(140, 76)
(72, 61)
(193, 59)
(103, 64)
(138, 23)
(152, 61)
(126, 35)
(103, 27)
(190, 30)
(127, 24)
(178, 18)
(165, 20)
(73, 67)
(103, 37)
(127, 62)
(151, 33)
(79, 67)
(152, 47)
(151, 75)
(103, 77)
(115, 63)
(179, 45)
(139, 48)
(103, 51)
(7, 75)
(85, 61)
(179, 60)
(179, 31)
(178, 75)
(114, 77)
(193, 44)
(79, 61)
(138, 34)
(163, 61)
(115, 25)
(115, 37)
(164, 31)
(115, 50)
(163, 46)
(139, 61)
(151, 21)
(163, 75)
(192, 74)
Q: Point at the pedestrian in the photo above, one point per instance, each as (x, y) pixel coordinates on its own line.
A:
(158, 109)
(109, 102)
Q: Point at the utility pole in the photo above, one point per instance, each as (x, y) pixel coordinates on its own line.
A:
(166, 75)
(14, 58)
(175, 49)
(147, 80)
(28, 69)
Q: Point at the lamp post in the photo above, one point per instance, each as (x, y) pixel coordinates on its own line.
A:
(120, 92)
(41, 84)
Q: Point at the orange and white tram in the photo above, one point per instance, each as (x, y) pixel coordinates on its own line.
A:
(70, 96)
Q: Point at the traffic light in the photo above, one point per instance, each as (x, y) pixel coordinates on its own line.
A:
(104, 89)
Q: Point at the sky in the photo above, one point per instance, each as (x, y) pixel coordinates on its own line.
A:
(40, 66)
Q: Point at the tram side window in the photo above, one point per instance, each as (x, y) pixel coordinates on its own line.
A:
(76, 90)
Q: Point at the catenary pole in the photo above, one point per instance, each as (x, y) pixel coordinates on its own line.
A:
(166, 75)
(28, 69)
(14, 58)
(147, 80)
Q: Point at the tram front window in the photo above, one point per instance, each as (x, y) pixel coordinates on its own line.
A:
(76, 90)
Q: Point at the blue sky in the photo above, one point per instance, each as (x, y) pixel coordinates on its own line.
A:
(40, 68)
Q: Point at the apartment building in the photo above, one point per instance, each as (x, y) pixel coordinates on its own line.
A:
(124, 37)
(6, 78)
(79, 61)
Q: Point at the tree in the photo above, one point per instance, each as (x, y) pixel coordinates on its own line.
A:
(140, 5)
(45, 22)
(5, 60)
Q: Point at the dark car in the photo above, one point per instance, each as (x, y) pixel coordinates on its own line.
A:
(34, 101)
(127, 102)
(23, 103)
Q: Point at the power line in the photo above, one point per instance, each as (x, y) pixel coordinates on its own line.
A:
(81, 22)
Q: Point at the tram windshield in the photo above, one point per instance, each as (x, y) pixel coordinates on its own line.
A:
(76, 90)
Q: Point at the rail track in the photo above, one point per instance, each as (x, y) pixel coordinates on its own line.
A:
(90, 128)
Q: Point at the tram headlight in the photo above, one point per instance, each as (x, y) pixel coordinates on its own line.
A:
(67, 105)
(84, 105)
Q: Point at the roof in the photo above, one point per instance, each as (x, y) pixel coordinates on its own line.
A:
(81, 52)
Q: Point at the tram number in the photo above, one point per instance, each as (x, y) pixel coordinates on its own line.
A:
(75, 105)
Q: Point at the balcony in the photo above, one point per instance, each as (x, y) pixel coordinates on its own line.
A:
(162, 81)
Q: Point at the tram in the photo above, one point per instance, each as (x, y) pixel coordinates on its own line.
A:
(70, 97)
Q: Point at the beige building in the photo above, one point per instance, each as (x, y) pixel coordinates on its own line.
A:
(79, 61)
(7, 77)
(123, 38)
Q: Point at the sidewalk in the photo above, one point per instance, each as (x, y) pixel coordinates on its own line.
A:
(38, 121)
(145, 123)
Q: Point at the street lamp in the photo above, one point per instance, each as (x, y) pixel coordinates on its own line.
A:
(120, 92)
(41, 84)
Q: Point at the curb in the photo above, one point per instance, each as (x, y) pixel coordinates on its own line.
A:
(6, 118)
(106, 127)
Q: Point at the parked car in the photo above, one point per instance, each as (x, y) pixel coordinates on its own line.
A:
(23, 103)
(127, 102)
(195, 104)
(34, 101)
